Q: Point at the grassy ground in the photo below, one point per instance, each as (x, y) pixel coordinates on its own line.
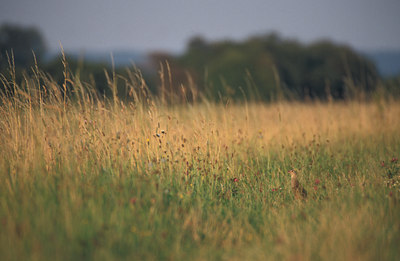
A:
(82, 179)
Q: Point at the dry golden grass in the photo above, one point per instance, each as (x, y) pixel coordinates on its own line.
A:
(100, 133)
(85, 178)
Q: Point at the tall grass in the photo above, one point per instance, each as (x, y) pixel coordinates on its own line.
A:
(87, 178)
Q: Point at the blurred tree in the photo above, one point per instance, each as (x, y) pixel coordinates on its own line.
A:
(336, 69)
(20, 42)
(268, 67)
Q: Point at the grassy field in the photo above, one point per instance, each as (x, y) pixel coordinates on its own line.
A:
(86, 179)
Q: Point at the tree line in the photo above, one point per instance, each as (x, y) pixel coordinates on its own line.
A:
(261, 68)
(269, 67)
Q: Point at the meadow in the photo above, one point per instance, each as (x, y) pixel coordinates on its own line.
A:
(83, 177)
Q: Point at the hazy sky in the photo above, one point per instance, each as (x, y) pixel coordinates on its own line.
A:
(168, 24)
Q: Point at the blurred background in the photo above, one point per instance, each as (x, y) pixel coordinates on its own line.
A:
(261, 50)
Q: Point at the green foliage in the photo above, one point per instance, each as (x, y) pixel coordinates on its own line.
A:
(269, 66)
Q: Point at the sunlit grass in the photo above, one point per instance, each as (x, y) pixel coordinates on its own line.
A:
(82, 178)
